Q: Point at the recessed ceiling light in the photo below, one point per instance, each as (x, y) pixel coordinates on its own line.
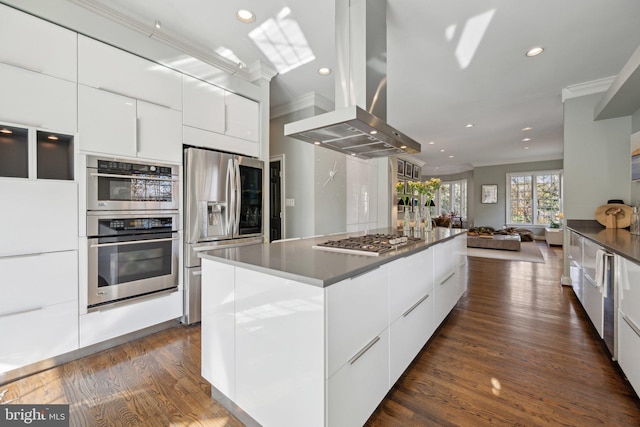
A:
(431, 142)
(526, 148)
(403, 146)
(469, 125)
(353, 154)
(324, 71)
(245, 15)
(451, 157)
(373, 132)
(437, 167)
(527, 128)
(317, 143)
(526, 139)
(442, 150)
(158, 24)
(534, 51)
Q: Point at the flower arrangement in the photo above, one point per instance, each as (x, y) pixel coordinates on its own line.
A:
(429, 188)
(401, 195)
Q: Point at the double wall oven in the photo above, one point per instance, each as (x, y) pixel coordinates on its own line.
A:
(132, 230)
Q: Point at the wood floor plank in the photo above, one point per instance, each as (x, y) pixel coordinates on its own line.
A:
(517, 350)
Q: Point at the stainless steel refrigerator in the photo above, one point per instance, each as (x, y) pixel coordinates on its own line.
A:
(223, 207)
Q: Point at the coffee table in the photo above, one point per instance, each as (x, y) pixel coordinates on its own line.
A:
(501, 242)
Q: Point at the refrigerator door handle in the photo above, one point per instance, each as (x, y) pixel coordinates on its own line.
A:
(238, 195)
(230, 190)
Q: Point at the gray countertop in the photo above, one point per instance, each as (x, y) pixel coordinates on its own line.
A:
(617, 240)
(297, 260)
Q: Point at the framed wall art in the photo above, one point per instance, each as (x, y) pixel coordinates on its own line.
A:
(408, 170)
(416, 173)
(490, 193)
(400, 167)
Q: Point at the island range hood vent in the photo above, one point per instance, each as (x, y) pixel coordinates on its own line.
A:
(361, 41)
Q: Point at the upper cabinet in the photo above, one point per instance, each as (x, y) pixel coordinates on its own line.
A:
(108, 68)
(127, 105)
(219, 119)
(37, 45)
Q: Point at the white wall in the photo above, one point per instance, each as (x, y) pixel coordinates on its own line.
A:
(597, 161)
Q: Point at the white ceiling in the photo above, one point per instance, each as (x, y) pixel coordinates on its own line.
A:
(449, 63)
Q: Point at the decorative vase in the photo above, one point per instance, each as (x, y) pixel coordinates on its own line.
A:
(406, 226)
(428, 224)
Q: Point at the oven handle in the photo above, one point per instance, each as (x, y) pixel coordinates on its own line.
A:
(135, 242)
(150, 178)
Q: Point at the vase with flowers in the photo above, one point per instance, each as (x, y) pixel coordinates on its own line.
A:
(404, 200)
(427, 191)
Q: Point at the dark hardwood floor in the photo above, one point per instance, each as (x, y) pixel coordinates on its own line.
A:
(517, 350)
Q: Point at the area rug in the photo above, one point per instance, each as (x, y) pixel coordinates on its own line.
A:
(529, 252)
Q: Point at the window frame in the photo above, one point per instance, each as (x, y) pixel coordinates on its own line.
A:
(534, 195)
(437, 201)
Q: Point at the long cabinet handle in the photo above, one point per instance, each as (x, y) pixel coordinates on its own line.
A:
(631, 324)
(134, 242)
(364, 350)
(446, 279)
(23, 67)
(28, 310)
(150, 178)
(414, 306)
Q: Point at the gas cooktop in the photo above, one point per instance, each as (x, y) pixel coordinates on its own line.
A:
(369, 244)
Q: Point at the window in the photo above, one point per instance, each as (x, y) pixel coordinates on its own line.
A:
(534, 198)
(452, 197)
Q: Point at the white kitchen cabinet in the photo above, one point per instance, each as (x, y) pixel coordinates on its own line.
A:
(628, 284)
(242, 117)
(408, 334)
(108, 68)
(159, 133)
(449, 277)
(120, 126)
(37, 45)
(360, 385)
(112, 322)
(218, 326)
(37, 100)
(410, 279)
(106, 122)
(593, 303)
(357, 312)
(40, 334)
(629, 349)
(203, 105)
(31, 209)
(279, 349)
(575, 265)
(33, 281)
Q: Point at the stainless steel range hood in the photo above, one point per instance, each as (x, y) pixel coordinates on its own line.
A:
(358, 125)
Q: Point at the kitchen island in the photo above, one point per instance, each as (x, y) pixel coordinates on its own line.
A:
(293, 335)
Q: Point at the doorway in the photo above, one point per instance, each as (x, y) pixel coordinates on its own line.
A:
(276, 202)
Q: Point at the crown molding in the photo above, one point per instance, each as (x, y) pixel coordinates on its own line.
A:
(251, 74)
(587, 88)
(311, 99)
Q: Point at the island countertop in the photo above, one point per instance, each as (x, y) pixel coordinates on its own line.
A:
(297, 260)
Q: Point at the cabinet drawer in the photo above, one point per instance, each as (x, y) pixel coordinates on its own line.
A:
(109, 68)
(37, 45)
(42, 203)
(38, 335)
(408, 335)
(593, 303)
(629, 289)
(446, 292)
(38, 100)
(357, 311)
(629, 350)
(410, 278)
(589, 258)
(34, 281)
(443, 260)
(357, 388)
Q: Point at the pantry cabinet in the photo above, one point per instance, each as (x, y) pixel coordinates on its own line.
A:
(628, 318)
